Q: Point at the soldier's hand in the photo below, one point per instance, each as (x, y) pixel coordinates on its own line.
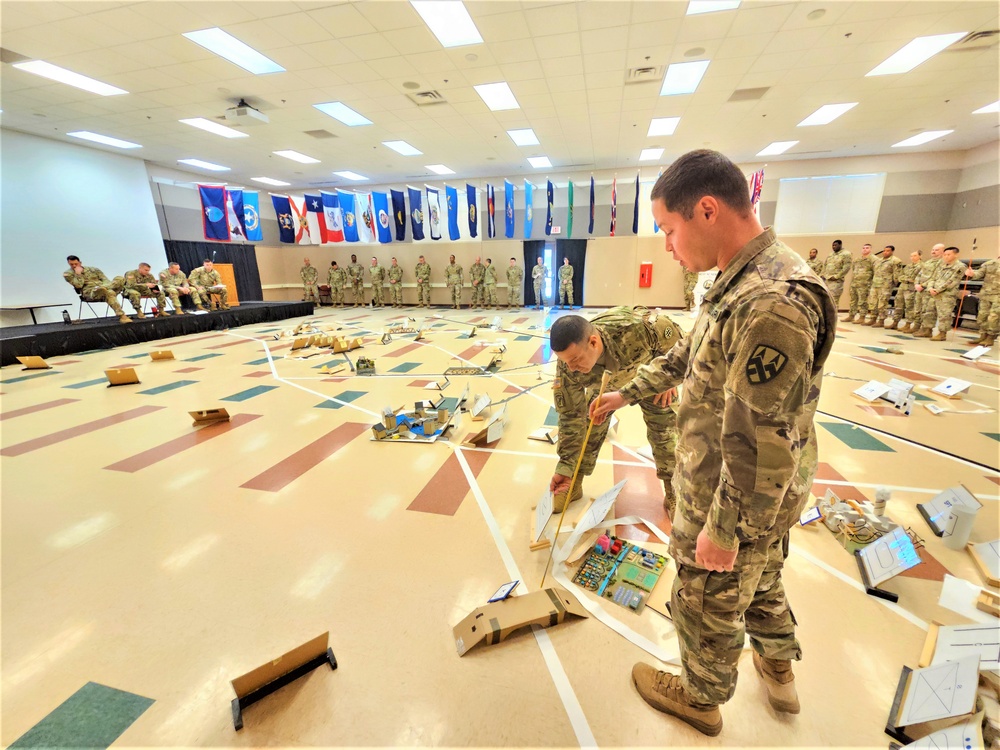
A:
(934, 292)
(710, 556)
(666, 398)
(599, 410)
(559, 483)
(918, 287)
(969, 272)
(78, 270)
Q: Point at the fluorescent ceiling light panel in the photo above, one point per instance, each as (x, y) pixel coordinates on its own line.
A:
(539, 162)
(523, 137)
(710, 6)
(778, 147)
(270, 181)
(921, 138)
(827, 114)
(989, 108)
(497, 96)
(683, 78)
(296, 156)
(650, 154)
(226, 45)
(662, 126)
(214, 127)
(55, 73)
(920, 49)
(203, 165)
(439, 169)
(106, 140)
(340, 111)
(449, 21)
(402, 147)
(348, 175)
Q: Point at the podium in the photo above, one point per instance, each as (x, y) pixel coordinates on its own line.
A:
(229, 280)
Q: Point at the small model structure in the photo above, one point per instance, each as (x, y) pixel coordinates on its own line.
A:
(467, 370)
(422, 425)
(853, 523)
(385, 338)
(159, 356)
(937, 512)
(121, 376)
(208, 416)
(365, 366)
(37, 363)
(621, 571)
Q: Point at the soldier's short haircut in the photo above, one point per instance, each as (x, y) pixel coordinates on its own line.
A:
(891, 247)
(838, 242)
(697, 174)
(919, 252)
(206, 261)
(173, 263)
(394, 257)
(569, 330)
(489, 260)
(514, 259)
(71, 257)
(144, 263)
(953, 249)
(333, 263)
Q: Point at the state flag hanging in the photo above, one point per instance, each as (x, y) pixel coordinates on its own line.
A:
(316, 218)
(283, 213)
(549, 202)
(366, 217)
(569, 215)
(529, 215)
(434, 212)
(416, 212)
(213, 212)
(380, 204)
(451, 197)
(656, 227)
(251, 216)
(302, 236)
(614, 204)
(635, 209)
(756, 185)
(399, 214)
(508, 208)
(590, 227)
(333, 217)
(470, 199)
(491, 207)
(350, 217)
(234, 215)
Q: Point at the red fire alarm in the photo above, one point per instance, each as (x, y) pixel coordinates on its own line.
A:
(645, 274)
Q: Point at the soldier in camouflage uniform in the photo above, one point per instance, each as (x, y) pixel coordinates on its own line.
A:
(490, 285)
(175, 283)
(93, 286)
(988, 317)
(476, 273)
(141, 283)
(395, 284)
(310, 282)
(904, 307)
(377, 274)
(617, 341)
(453, 278)
(942, 292)
(922, 298)
(538, 275)
(423, 274)
(835, 269)
(208, 282)
(356, 275)
(566, 283)
(861, 281)
(752, 370)
(815, 263)
(515, 288)
(336, 277)
(690, 282)
(885, 271)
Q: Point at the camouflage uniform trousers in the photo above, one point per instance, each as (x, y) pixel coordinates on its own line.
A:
(358, 287)
(859, 299)
(878, 301)
(537, 284)
(940, 308)
(424, 293)
(490, 293)
(396, 293)
(836, 287)
(135, 297)
(456, 294)
(310, 292)
(566, 292)
(207, 292)
(713, 612)
(477, 295)
(514, 296)
(905, 306)
(661, 432)
(107, 294)
(336, 294)
(378, 295)
(988, 317)
(174, 292)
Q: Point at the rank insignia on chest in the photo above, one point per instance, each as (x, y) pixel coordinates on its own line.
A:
(765, 364)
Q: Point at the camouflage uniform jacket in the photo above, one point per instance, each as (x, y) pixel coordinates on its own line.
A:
(906, 275)
(836, 266)
(377, 274)
(90, 277)
(539, 272)
(565, 275)
(476, 272)
(395, 273)
(336, 277)
(201, 277)
(423, 272)
(453, 274)
(751, 371)
(631, 337)
(990, 271)
(885, 271)
(863, 269)
(491, 275)
(515, 275)
(816, 265)
(173, 279)
(138, 281)
(309, 274)
(927, 271)
(355, 272)
(947, 278)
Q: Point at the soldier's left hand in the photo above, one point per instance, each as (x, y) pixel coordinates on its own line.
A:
(666, 398)
(934, 292)
(710, 556)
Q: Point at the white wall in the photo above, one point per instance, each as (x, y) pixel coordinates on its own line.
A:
(59, 199)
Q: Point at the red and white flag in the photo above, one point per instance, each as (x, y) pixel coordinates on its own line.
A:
(756, 185)
(301, 217)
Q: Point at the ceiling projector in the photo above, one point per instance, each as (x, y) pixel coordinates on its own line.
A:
(244, 114)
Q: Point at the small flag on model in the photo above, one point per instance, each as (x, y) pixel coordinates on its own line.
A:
(399, 214)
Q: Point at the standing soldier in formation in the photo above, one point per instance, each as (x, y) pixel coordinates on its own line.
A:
(377, 274)
(423, 274)
(141, 283)
(396, 284)
(356, 275)
(490, 285)
(310, 281)
(942, 292)
(175, 283)
(906, 296)
(923, 298)
(690, 282)
(835, 269)
(885, 274)
(515, 288)
(208, 282)
(861, 281)
(566, 283)
(336, 277)
(814, 262)
(989, 301)
(477, 271)
(93, 286)
(538, 275)
(617, 341)
(453, 278)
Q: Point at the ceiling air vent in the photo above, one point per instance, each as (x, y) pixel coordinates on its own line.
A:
(319, 133)
(977, 40)
(644, 74)
(427, 98)
(748, 95)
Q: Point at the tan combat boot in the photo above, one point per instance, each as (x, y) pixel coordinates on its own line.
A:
(848, 319)
(923, 333)
(939, 336)
(559, 501)
(779, 682)
(978, 341)
(879, 323)
(123, 318)
(988, 341)
(663, 691)
(894, 325)
(140, 314)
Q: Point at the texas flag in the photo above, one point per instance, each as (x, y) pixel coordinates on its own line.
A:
(213, 212)
(316, 219)
(334, 217)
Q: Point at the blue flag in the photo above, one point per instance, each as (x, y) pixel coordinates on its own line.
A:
(283, 212)
(399, 214)
(251, 216)
(635, 210)
(213, 212)
(416, 213)
(491, 207)
(549, 201)
(234, 215)
(508, 209)
(380, 202)
(590, 228)
(470, 197)
(350, 216)
(451, 196)
(656, 227)
(528, 213)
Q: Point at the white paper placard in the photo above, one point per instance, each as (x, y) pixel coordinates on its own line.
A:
(951, 387)
(543, 512)
(960, 596)
(481, 403)
(955, 642)
(975, 352)
(599, 509)
(941, 691)
(872, 390)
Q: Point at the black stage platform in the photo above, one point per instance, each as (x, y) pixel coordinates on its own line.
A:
(58, 339)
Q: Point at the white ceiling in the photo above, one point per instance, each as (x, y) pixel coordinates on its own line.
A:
(566, 63)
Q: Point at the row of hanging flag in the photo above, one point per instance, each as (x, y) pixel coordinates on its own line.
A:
(345, 216)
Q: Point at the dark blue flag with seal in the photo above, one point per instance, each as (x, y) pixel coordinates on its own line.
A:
(508, 209)
(451, 197)
(470, 199)
(549, 201)
(380, 202)
(286, 222)
(590, 227)
(399, 214)
(416, 212)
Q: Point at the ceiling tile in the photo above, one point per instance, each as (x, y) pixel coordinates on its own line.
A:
(559, 45)
(343, 21)
(552, 19)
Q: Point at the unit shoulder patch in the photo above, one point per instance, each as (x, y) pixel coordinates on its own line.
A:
(765, 364)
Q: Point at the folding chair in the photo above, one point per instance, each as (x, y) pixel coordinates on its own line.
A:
(79, 312)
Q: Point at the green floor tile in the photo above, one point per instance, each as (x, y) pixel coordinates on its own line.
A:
(250, 393)
(405, 367)
(994, 435)
(167, 387)
(87, 383)
(855, 437)
(347, 396)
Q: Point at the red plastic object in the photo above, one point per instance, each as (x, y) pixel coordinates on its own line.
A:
(645, 274)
